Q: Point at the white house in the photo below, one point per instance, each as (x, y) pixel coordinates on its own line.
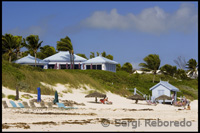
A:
(62, 61)
(100, 63)
(147, 72)
(164, 88)
(30, 60)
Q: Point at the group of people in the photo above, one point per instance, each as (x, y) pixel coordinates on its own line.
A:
(183, 102)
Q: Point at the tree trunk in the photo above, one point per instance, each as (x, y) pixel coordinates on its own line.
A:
(17, 94)
(35, 59)
(154, 77)
(10, 58)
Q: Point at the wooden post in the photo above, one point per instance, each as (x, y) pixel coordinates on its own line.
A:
(96, 99)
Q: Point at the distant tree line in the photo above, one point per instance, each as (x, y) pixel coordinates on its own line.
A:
(11, 46)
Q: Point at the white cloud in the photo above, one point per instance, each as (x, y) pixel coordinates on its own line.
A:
(151, 20)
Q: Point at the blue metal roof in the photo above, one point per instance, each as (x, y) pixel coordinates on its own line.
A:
(30, 60)
(165, 84)
(100, 59)
(63, 56)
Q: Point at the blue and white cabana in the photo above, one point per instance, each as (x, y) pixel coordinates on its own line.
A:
(100, 63)
(30, 60)
(164, 88)
(62, 61)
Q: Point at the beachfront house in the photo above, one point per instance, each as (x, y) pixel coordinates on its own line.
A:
(61, 60)
(100, 63)
(30, 60)
(164, 88)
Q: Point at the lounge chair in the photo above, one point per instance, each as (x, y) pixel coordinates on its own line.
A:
(42, 105)
(150, 103)
(13, 104)
(34, 107)
(5, 105)
(21, 105)
(61, 105)
(26, 105)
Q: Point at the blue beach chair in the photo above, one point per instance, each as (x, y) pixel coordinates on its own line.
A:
(13, 104)
(21, 105)
(61, 105)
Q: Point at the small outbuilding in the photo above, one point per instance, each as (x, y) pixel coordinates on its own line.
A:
(164, 88)
(100, 63)
(30, 60)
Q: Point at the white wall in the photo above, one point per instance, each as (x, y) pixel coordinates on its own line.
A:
(155, 92)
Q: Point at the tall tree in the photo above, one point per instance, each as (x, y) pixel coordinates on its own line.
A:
(192, 66)
(169, 70)
(152, 63)
(181, 63)
(109, 57)
(9, 44)
(65, 44)
(127, 67)
(103, 54)
(46, 51)
(33, 44)
(97, 53)
(118, 67)
(82, 55)
(92, 55)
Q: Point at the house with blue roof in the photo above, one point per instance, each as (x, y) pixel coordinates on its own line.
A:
(100, 63)
(62, 61)
(164, 88)
(30, 60)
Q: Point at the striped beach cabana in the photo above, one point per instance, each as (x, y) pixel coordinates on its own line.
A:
(100, 63)
(30, 60)
(62, 60)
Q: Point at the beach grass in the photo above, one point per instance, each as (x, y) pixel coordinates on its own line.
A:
(118, 83)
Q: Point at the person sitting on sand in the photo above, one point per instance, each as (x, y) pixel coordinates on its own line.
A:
(188, 107)
(106, 101)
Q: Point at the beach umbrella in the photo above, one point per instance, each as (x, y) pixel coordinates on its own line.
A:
(39, 94)
(164, 97)
(56, 98)
(95, 94)
(136, 97)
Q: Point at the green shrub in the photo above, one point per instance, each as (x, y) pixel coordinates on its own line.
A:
(11, 97)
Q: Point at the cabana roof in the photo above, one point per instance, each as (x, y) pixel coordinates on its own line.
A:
(64, 56)
(100, 59)
(166, 84)
(30, 60)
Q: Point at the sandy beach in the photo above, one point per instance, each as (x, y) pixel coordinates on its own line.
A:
(122, 115)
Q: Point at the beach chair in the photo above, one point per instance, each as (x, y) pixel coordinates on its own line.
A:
(21, 105)
(5, 105)
(61, 105)
(42, 105)
(13, 104)
(102, 101)
(26, 105)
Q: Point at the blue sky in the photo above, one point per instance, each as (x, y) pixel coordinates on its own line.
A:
(127, 30)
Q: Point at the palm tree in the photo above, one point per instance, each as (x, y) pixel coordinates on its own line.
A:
(152, 64)
(192, 66)
(19, 45)
(65, 44)
(9, 44)
(33, 44)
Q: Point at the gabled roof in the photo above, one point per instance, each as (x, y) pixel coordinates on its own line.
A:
(30, 60)
(166, 84)
(64, 56)
(100, 59)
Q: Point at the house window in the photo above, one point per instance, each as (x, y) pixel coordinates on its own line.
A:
(98, 67)
(160, 92)
(87, 66)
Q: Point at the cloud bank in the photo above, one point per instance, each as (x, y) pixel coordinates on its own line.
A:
(150, 20)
